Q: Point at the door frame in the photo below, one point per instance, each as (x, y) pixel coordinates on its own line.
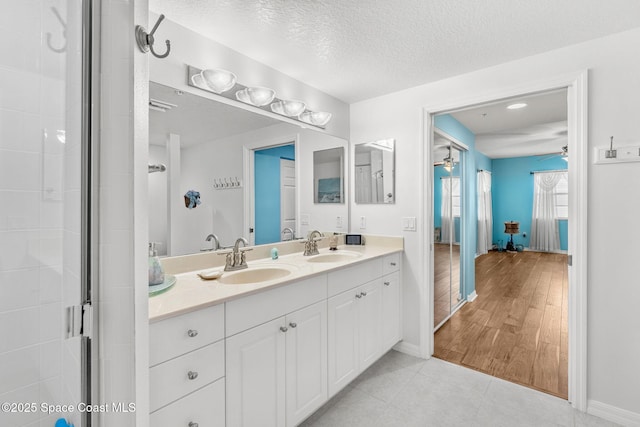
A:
(577, 122)
(248, 175)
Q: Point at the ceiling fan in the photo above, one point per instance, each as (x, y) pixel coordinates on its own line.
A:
(564, 154)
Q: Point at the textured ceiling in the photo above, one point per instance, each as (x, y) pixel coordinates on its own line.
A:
(359, 49)
(540, 128)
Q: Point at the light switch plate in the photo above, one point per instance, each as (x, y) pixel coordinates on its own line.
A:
(409, 223)
(338, 221)
(305, 219)
(363, 222)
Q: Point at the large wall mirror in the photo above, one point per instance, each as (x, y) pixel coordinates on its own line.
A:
(201, 145)
(375, 172)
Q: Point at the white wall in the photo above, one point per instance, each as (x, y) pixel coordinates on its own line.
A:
(189, 48)
(158, 218)
(613, 291)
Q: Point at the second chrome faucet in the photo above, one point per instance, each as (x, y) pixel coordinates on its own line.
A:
(311, 244)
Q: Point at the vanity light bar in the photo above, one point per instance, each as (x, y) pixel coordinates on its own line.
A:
(281, 107)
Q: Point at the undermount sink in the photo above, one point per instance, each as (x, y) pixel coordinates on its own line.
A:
(254, 275)
(335, 257)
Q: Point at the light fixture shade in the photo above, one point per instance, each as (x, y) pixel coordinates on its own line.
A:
(448, 165)
(288, 108)
(258, 96)
(316, 118)
(511, 227)
(218, 80)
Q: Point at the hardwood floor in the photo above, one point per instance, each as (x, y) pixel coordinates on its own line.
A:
(516, 329)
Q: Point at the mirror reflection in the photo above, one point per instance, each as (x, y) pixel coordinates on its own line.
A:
(328, 175)
(375, 172)
(447, 220)
(219, 172)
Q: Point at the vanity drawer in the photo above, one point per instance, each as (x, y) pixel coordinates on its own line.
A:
(206, 407)
(171, 380)
(178, 335)
(391, 263)
(247, 312)
(350, 277)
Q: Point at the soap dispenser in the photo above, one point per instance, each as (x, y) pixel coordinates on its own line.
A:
(156, 272)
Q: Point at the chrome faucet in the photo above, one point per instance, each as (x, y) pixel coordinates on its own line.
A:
(311, 244)
(236, 259)
(216, 242)
(285, 231)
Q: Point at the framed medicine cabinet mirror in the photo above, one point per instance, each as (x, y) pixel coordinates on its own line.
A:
(375, 172)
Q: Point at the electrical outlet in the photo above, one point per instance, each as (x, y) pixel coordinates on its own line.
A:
(363, 222)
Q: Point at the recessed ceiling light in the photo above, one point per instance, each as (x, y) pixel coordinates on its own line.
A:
(516, 106)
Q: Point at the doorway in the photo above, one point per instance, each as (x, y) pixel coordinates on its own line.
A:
(274, 193)
(271, 191)
(577, 232)
(516, 329)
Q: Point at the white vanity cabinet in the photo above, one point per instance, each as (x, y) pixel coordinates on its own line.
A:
(186, 376)
(361, 327)
(277, 371)
(391, 302)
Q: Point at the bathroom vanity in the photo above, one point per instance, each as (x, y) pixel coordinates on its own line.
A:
(238, 352)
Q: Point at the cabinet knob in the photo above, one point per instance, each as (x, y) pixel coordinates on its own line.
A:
(358, 295)
(284, 328)
(364, 294)
(393, 264)
(387, 283)
(192, 375)
(192, 333)
(293, 325)
(192, 424)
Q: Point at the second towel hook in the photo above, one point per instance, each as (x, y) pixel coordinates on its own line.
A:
(145, 41)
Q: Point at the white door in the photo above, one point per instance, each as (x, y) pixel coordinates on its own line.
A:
(306, 355)
(255, 376)
(343, 340)
(287, 194)
(390, 310)
(369, 323)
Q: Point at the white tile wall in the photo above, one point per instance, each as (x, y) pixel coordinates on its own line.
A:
(39, 205)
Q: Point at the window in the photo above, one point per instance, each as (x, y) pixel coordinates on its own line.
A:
(454, 183)
(561, 196)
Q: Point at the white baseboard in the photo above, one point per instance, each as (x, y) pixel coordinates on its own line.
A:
(613, 413)
(472, 296)
(406, 348)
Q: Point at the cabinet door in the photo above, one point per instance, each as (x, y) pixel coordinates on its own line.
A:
(306, 349)
(256, 376)
(369, 323)
(343, 340)
(390, 311)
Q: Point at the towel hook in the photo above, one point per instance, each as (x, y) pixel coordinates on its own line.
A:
(64, 33)
(145, 41)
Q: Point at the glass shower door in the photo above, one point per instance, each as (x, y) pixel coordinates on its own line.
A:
(42, 213)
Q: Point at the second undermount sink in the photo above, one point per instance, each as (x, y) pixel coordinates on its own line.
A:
(340, 256)
(254, 275)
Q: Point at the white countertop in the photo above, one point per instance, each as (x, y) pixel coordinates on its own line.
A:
(191, 292)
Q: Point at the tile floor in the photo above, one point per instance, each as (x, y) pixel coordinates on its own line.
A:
(401, 390)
